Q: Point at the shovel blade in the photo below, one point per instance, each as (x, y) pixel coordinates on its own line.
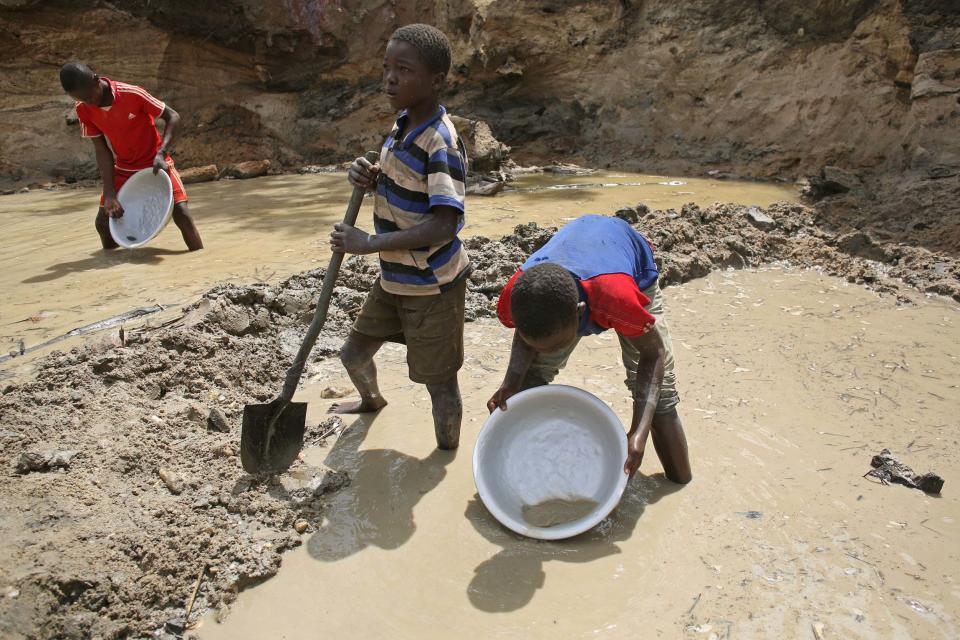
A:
(272, 435)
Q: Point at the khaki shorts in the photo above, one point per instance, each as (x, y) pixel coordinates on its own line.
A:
(546, 366)
(430, 326)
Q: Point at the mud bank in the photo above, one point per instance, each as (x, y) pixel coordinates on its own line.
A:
(107, 546)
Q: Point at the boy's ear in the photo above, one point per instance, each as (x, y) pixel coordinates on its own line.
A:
(581, 308)
(439, 81)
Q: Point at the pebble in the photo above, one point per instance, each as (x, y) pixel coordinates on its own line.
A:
(301, 526)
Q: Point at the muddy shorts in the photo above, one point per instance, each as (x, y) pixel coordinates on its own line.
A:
(546, 366)
(430, 326)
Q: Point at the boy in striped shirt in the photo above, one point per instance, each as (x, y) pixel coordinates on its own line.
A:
(419, 182)
(124, 115)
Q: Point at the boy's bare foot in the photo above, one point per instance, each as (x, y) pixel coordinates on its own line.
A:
(363, 406)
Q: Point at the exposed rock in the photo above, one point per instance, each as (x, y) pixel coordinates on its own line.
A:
(832, 18)
(216, 421)
(484, 151)
(485, 188)
(249, 169)
(832, 181)
(760, 220)
(205, 173)
(44, 461)
(937, 74)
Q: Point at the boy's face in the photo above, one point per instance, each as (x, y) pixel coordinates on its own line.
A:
(557, 341)
(91, 94)
(407, 80)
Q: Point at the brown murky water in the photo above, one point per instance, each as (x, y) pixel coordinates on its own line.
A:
(790, 381)
(56, 279)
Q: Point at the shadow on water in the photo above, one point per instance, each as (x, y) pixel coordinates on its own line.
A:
(509, 580)
(376, 509)
(102, 259)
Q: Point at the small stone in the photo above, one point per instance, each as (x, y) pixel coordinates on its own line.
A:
(301, 526)
(173, 480)
(225, 451)
(333, 392)
(44, 461)
(216, 421)
(760, 220)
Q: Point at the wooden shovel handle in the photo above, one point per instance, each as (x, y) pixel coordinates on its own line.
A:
(326, 291)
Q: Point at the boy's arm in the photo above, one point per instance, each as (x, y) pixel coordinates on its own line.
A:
(170, 130)
(105, 165)
(521, 357)
(440, 228)
(646, 394)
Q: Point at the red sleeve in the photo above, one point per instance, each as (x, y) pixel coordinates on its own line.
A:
(503, 304)
(617, 303)
(87, 128)
(149, 104)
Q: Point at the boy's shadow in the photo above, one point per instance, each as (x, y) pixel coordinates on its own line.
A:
(376, 509)
(101, 259)
(509, 580)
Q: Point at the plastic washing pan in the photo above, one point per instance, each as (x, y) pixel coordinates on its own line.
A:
(147, 202)
(554, 443)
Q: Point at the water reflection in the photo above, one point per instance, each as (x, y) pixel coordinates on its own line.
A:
(377, 508)
(509, 580)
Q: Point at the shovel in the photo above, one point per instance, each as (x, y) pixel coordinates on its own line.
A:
(272, 434)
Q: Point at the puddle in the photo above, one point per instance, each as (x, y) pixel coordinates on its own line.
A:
(783, 412)
(56, 279)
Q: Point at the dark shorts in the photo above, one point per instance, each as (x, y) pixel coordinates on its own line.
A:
(430, 326)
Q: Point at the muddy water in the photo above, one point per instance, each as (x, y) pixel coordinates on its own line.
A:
(790, 381)
(55, 278)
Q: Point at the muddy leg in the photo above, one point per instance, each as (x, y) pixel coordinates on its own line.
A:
(181, 217)
(103, 230)
(447, 413)
(671, 446)
(357, 357)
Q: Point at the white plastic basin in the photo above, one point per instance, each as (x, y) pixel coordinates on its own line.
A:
(147, 202)
(554, 442)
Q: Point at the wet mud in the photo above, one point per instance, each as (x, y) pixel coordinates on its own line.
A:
(557, 511)
(790, 379)
(153, 488)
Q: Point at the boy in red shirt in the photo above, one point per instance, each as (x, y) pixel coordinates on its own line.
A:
(124, 115)
(598, 273)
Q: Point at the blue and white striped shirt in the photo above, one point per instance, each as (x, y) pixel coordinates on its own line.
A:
(425, 169)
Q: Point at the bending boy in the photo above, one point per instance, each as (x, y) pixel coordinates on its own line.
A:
(124, 114)
(597, 273)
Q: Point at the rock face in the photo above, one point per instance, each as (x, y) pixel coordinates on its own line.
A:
(747, 87)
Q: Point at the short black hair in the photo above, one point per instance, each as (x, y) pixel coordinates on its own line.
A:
(76, 75)
(430, 43)
(544, 300)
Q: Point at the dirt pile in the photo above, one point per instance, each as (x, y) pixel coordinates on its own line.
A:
(122, 476)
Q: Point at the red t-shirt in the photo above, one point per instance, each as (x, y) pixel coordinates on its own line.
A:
(614, 301)
(128, 124)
